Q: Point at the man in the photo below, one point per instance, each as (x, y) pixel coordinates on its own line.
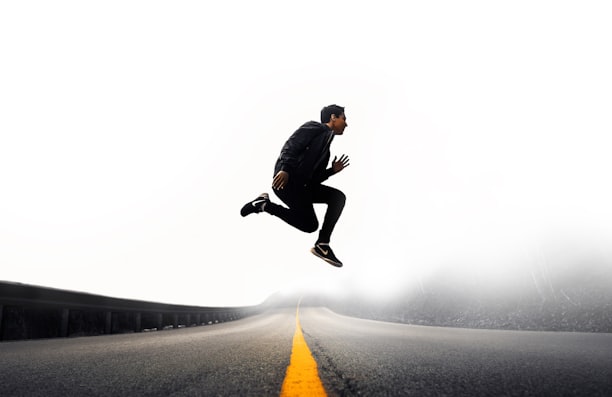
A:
(298, 175)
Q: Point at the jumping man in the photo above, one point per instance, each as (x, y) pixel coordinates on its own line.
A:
(298, 175)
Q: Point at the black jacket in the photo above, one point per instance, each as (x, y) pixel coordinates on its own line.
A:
(306, 153)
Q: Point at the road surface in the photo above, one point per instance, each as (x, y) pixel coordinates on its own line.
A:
(249, 357)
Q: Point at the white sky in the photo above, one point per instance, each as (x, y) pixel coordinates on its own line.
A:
(131, 133)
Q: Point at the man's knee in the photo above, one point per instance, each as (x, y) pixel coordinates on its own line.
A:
(339, 198)
(310, 226)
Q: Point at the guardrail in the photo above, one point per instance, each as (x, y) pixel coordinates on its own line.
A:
(32, 312)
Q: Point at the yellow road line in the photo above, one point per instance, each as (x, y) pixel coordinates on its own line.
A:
(302, 378)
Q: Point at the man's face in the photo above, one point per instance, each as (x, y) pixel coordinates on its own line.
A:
(338, 124)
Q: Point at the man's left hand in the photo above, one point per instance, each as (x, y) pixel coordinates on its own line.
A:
(339, 165)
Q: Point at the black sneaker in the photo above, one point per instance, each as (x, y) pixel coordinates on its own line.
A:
(256, 205)
(325, 252)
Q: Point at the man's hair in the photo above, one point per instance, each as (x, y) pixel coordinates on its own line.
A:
(327, 112)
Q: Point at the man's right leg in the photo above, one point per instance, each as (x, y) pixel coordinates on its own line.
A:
(335, 200)
(299, 212)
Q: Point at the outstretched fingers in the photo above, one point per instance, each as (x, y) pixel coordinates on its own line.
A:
(344, 159)
(340, 164)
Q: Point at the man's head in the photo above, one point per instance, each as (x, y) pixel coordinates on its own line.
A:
(334, 117)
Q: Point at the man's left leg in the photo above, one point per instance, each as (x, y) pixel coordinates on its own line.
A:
(335, 201)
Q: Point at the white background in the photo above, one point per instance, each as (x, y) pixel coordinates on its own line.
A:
(131, 133)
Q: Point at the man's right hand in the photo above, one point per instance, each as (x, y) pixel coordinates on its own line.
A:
(280, 180)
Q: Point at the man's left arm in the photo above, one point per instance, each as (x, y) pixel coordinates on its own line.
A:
(337, 166)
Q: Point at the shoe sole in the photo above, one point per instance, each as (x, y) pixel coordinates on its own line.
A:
(333, 263)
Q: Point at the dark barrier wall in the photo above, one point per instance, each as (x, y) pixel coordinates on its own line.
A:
(30, 312)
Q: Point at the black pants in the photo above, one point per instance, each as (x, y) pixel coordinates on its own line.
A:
(301, 213)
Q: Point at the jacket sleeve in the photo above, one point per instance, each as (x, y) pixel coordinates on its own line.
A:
(294, 149)
(325, 175)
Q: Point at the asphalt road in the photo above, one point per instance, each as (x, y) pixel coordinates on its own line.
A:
(247, 357)
(355, 357)
(361, 357)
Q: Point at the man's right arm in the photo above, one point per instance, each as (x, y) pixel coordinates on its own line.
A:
(293, 148)
(290, 153)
